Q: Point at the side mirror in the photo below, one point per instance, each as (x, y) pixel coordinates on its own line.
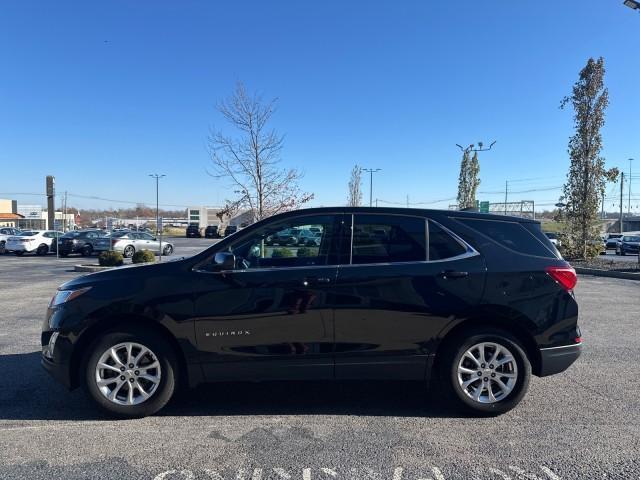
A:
(224, 261)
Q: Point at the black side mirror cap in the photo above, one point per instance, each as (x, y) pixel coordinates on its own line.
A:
(224, 261)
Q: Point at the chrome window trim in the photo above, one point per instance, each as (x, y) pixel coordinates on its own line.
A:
(562, 346)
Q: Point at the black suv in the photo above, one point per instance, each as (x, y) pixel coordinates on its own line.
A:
(84, 242)
(478, 302)
(211, 232)
(193, 231)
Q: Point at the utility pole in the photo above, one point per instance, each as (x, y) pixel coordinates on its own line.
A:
(506, 194)
(621, 193)
(630, 177)
(371, 172)
(64, 213)
(158, 177)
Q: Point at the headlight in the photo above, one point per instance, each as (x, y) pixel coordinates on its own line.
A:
(64, 296)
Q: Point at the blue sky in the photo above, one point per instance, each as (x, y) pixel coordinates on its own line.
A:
(100, 95)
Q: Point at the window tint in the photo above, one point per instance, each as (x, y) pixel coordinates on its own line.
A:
(442, 245)
(512, 235)
(388, 238)
(287, 244)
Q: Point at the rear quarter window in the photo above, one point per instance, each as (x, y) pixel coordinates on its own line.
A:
(522, 238)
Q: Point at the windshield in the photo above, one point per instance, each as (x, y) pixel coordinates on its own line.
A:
(635, 238)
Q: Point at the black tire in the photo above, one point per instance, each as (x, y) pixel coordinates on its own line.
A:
(128, 251)
(42, 250)
(452, 355)
(2, 250)
(622, 252)
(165, 356)
(87, 250)
(19, 252)
(64, 254)
(168, 250)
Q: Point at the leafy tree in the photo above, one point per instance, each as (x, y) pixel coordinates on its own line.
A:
(587, 175)
(468, 180)
(250, 160)
(355, 187)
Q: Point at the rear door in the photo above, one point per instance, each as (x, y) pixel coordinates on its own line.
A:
(408, 277)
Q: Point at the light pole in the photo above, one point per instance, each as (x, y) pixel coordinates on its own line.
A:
(633, 4)
(371, 172)
(158, 177)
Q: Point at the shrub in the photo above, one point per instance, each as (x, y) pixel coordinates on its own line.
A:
(281, 252)
(143, 256)
(304, 252)
(110, 259)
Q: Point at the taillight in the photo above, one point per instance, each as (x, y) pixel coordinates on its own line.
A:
(565, 276)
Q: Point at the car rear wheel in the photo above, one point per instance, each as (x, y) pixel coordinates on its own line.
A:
(128, 251)
(131, 374)
(87, 250)
(42, 250)
(486, 372)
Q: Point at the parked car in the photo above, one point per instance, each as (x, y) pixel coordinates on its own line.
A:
(129, 243)
(612, 240)
(309, 238)
(85, 242)
(554, 239)
(230, 230)
(193, 231)
(475, 302)
(211, 232)
(628, 244)
(5, 233)
(285, 237)
(38, 241)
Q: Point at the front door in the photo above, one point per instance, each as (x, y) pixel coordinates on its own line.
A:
(271, 317)
(395, 296)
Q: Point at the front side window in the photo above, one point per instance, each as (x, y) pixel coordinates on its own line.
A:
(388, 239)
(286, 244)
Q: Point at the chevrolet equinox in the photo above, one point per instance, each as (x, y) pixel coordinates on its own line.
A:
(478, 302)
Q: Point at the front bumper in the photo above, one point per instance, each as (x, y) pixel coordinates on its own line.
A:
(557, 359)
(60, 371)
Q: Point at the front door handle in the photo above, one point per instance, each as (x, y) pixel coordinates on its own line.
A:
(315, 281)
(452, 274)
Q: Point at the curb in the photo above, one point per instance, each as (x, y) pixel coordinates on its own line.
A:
(596, 272)
(90, 268)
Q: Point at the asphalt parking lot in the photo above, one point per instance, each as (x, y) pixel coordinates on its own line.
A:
(580, 424)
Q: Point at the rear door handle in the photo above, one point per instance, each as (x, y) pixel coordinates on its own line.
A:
(316, 281)
(453, 274)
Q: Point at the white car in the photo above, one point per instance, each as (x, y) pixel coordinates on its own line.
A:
(38, 241)
(5, 233)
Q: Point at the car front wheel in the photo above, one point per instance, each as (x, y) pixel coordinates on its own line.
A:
(486, 372)
(168, 250)
(131, 374)
(128, 251)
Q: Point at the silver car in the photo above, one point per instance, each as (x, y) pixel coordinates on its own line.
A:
(131, 242)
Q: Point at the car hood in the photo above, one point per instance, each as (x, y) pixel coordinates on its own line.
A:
(126, 273)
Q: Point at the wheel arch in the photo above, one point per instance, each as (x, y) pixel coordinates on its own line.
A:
(88, 337)
(499, 317)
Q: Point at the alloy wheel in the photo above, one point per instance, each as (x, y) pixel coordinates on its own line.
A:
(487, 372)
(128, 373)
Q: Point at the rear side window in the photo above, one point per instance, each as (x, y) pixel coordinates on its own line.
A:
(388, 239)
(442, 245)
(512, 235)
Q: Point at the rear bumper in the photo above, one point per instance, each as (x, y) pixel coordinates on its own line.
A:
(557, 359)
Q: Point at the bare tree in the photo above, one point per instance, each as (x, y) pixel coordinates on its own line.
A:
(355, 187)
(251, 158)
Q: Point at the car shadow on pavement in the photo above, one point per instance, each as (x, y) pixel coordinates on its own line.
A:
(29, 393)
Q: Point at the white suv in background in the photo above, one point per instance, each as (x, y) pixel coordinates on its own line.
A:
(39, 241)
